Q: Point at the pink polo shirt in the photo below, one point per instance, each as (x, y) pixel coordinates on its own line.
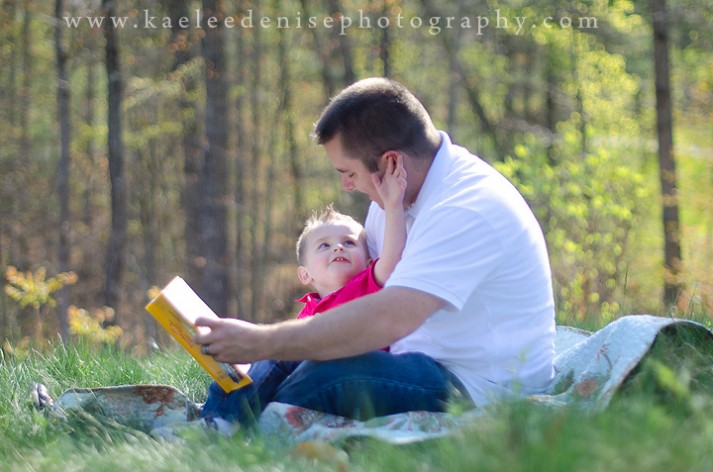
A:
(361, 284)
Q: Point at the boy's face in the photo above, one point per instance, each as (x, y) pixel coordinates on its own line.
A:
(334, 253)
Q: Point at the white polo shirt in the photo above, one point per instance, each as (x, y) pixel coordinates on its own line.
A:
(475, 243)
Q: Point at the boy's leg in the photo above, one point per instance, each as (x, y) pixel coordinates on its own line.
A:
(373, 384)
(245, 405)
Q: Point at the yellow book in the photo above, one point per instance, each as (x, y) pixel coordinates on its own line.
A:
(176, 308)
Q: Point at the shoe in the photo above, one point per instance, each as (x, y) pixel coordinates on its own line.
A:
(224, 427)
(41, 398)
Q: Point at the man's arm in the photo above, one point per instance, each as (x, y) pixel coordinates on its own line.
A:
(391, 188)
(363, 325)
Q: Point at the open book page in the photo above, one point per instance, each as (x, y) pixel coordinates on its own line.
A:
(176, 308)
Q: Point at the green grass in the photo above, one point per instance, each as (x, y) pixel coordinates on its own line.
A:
(660, 422)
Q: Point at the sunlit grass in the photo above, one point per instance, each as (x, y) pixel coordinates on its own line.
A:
(658, 423)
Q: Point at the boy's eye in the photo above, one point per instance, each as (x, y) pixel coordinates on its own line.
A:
(323, 246)
(349, 243)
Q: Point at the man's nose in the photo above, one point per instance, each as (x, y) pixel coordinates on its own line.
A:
(347, 183)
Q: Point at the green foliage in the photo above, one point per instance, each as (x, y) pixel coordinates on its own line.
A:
(89, 327)
(587, 206)
(584, 184)
(35, 289)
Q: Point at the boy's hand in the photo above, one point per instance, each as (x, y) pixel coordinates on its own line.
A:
(392, 186)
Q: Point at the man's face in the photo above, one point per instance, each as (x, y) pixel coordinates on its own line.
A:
(353, 172)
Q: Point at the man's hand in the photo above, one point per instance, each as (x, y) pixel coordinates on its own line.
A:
(230, 340)
(392, 186)
(359, 326)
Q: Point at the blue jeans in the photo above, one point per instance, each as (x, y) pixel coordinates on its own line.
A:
(373, 384)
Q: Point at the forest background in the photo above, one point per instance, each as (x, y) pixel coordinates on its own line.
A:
(141, 140)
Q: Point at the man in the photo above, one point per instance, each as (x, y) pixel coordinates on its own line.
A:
(469, 308)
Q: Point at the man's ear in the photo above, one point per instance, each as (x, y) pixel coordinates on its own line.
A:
(303, 275)
(388, 155)
(384, 159)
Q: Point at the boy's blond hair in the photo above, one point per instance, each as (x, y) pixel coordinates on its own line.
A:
(323, 217)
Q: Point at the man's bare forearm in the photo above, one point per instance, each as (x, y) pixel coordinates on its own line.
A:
(363, 325)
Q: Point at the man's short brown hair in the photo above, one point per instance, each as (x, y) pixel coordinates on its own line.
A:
(376, 115)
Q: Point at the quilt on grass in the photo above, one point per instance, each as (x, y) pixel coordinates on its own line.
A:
(590, 369)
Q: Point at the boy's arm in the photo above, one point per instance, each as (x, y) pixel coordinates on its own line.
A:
(391, 188)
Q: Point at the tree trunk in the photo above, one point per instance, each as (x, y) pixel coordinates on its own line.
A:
(150, 228)
(324, 52)
(265, 221)
(38, 328)
(9, 161)
(531, 111)
(25, 101)
(181, 42)
(453, 93)
(9, 89)
(286, 111)
(257, 180)
(551, 83)
(117, 237)
(63, 117)
(667, 164)
(241, 135)
(469, 85)
(90, 188)
(345, 47)
(385, 43)
(579, 100)
(215, 281)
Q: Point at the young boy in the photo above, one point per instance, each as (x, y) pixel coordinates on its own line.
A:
(334, 259)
